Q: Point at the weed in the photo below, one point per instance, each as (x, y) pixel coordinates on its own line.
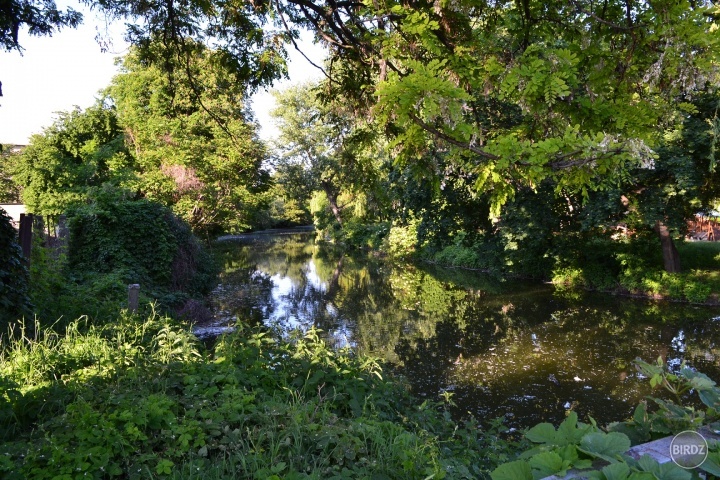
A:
(142, 399)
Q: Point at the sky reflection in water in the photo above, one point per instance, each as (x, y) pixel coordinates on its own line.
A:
(522, 351)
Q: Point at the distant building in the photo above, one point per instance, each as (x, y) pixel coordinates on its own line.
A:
(10, 149)
(14, 210)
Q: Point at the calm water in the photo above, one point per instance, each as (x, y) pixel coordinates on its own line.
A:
(522, 351)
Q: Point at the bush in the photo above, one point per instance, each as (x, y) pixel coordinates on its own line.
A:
(144, 400)
(402, 240)
(360, 235)
(141, 242)
(696, 292)
(458, 256)
(568, 277)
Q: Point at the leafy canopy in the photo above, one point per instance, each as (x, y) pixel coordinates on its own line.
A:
(40, 17)
(193, 138)
(514, 92)
(71, 159)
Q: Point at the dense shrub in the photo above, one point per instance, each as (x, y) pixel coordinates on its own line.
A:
(14, 299)
(402, 239)
(141, 241)
(360, 235)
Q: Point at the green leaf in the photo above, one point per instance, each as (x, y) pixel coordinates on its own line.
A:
(712, 464)
(548, 463)
(542, 433)
(642, 476)
(571, 431)
(665, 471)
(568, 433)
(517, 470)
(711, 398)
(605, 445)
(164, 466)
(617, 471)
(640, 414)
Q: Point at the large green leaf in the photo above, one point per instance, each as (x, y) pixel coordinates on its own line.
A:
(517, 470)
(712, 464)
(548, 463)
(699, 381)
(605, 445)
(664, 471)
(542, 433)
(568, 433)
(616, 471)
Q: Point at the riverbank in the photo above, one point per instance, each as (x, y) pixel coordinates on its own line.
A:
(504, 348)
(140, 397)
(624, 267)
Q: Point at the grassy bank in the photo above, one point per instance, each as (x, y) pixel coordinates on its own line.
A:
(628, 266)
(141, 398)
(639, 272)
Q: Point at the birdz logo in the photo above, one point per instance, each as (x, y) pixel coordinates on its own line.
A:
(688, 449)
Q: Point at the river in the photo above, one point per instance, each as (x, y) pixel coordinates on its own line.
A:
(522, 351)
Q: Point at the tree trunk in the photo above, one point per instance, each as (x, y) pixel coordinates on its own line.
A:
(671, 257)
(332, 200)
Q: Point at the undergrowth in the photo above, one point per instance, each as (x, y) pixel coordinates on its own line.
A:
(144, 399)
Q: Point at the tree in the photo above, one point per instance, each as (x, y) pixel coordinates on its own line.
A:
(9, 189)
(193, 138)
(72, 159)
(680, 182)
(41, 17)
(310, 139)
(591, 81)
(324, 145)
(577, 93)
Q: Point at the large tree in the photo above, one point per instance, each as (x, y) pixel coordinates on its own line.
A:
(327, 146)
(593, 81)
(72, 159)
(193, 138)
(590, 86)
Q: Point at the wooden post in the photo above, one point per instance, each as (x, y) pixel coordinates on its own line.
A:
(26, 222)
(133, 297)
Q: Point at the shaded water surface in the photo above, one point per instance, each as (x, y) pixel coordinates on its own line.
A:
(522, 351)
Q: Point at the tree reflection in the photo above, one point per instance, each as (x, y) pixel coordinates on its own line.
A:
(504, 348)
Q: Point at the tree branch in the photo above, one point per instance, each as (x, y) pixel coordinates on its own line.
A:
(451, 140)
(292, 39)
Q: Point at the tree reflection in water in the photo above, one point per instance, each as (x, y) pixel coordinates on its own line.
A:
(522, 351)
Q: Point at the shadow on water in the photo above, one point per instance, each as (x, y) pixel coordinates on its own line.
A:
(522, 351)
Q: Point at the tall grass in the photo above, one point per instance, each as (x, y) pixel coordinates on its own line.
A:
(141, 398)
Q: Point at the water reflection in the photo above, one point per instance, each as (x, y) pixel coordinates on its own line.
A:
(518, 350)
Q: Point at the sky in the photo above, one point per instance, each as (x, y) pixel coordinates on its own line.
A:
(57, 73)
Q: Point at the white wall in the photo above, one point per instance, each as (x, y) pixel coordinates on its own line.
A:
(14, 210)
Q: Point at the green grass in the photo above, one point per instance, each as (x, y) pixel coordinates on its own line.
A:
(141, 398)
(699, 255)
